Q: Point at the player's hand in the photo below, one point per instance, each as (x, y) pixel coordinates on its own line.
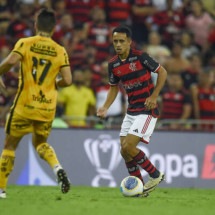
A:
(2, 85)
(102, 112)
(151, 103)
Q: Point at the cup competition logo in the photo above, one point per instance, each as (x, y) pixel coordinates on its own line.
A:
(104, 155)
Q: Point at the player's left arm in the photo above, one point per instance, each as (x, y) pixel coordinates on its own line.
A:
(153, 66)
(12, 59)
(162, 75)
(151, 101)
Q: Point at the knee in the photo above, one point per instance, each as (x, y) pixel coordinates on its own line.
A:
(37, 140)
(126, 148)
(123, 153)
(10, 147)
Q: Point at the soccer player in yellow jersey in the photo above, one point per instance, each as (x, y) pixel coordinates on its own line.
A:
(33, 110)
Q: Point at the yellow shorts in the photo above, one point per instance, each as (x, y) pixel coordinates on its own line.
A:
(19, 126)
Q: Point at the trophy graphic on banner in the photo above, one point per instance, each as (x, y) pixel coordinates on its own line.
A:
(104, 155)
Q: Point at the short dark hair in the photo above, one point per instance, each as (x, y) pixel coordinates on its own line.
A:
(123, 29)
(46, 20)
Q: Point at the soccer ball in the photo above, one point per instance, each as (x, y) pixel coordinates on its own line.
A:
(131, 186)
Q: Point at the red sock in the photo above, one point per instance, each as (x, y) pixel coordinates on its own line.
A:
(133, 169)
(145, 163)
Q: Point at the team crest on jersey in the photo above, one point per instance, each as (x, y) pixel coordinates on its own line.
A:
(118, 72)
(133, 66)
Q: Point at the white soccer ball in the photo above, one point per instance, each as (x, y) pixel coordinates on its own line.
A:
(131, 186)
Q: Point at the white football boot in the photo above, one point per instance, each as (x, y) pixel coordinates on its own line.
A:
(152, 183)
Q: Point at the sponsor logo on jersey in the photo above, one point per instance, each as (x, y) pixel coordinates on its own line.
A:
(131, 85)
(148, 65)
(43, 49)
(41, 98)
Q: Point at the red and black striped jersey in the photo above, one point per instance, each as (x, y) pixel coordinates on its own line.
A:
(135, 76)
(77, 57)
(118, 11)
(163, 18)
(80, 9)
(206, 103)
(141, 4)
(173, 103)
(99, 37)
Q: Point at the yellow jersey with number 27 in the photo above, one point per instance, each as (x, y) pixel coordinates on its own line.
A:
(40, 64)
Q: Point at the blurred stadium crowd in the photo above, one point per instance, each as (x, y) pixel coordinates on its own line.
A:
(180, 34)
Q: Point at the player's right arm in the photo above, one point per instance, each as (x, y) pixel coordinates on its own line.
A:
(66, 77)
(112, 93)
(7, 63)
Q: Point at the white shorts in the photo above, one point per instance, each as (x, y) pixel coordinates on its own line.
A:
(140, 125)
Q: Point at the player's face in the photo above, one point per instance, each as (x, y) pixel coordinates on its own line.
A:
(121, 43)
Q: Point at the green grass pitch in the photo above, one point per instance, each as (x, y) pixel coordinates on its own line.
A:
(48, 200)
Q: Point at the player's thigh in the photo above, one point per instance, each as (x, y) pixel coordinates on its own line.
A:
(17, 125)
(126, 139)
(143, 127)
(122, 140)
(132, 140)
(125, 127)
(11, 142)
(41, 132)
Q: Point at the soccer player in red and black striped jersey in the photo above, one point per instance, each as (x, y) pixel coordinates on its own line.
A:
(133, 68)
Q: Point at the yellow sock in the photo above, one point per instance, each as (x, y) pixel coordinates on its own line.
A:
(6, 166)
(47, 153)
